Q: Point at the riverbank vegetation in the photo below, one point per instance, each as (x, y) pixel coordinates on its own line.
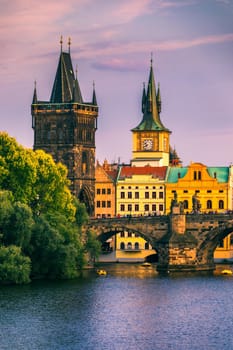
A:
(40, 220)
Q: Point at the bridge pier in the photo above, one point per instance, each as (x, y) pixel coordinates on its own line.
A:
(177, 250)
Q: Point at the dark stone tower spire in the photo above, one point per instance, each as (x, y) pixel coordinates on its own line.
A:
(65, 127)
(94, 100)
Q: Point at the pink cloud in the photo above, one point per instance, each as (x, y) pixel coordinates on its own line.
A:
(118, 49)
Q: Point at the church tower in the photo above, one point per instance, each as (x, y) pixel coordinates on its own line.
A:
(151, 138)
(65, 127)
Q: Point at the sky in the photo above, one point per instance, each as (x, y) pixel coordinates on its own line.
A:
(191, 42)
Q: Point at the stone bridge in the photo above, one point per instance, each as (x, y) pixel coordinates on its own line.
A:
(183, 242)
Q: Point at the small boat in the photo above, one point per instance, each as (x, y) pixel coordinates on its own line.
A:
(101, 272)
(226, 272)
(146, 264)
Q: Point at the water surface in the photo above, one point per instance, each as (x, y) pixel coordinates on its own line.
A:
(130, 308)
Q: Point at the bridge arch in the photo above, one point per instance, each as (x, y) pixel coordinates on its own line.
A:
(206, 248)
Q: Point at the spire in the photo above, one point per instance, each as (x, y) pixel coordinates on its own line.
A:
(34, 99)
(143, 98)
(158, 99)
(69, 43)
(61, 42)
(77, 96)
(66, 87)
(151, 105)
(94, 100)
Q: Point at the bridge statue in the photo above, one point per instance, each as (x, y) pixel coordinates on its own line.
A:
(196, 204)
(176, 207)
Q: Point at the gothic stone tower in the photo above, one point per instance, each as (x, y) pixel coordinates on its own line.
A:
(65, 127)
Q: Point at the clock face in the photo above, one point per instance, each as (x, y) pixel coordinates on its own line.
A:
(147, 144)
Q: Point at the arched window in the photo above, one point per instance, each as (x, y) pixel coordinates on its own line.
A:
(136, 246)
(209, 204)
(221, 204)
(186, 204)
(84, 163)
(146, 245)
(129, 245)
(122, 246)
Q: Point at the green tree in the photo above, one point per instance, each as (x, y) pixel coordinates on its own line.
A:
(92, 246)
(14, 267)
(34, 178)
(56, 249)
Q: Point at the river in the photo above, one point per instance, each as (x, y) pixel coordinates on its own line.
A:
(132, 308)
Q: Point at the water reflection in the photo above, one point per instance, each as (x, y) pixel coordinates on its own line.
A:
(130, 308)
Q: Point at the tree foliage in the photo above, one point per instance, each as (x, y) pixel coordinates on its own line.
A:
(40, 220)
(14, 267)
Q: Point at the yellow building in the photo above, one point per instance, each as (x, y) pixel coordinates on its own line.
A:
(202, 189)
(210, 186)
(140, 190)
(105, 177)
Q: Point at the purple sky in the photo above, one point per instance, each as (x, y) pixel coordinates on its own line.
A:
(112, 41)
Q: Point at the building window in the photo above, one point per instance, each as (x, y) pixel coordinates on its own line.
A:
(103, 204)
(209, 191)
(146, 207)
(160, 195)
(122, 234)
(136, 207)
(186, 204)
(98, 204)
(153, 207)
(122, 246)
(129, 245)
(160, 207)
(147, 195)
(220, 191)
(154, 195)
(122, 207)
(185, 191)
(129, 207)
(103, 191)
(136, 245)
(108, 204)
(98, 191)
(221, 204)
(130, 195)
(136, 195)
(129, 234)
(122, 187)
(109, 191)
(146, 187)
(122, 194)
(209, 204)
(146, 245)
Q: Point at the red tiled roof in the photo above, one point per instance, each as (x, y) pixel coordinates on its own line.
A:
(156, 172)
(112, 174)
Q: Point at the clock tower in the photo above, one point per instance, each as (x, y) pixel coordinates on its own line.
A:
(150, 137)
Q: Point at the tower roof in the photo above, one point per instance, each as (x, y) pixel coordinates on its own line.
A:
(151, 106)
(66, 87)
